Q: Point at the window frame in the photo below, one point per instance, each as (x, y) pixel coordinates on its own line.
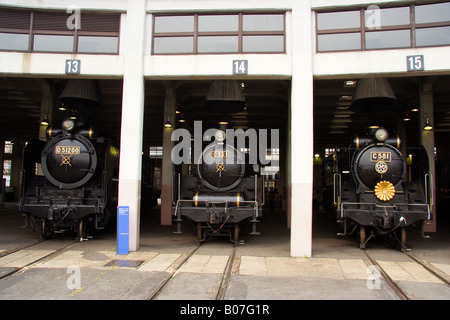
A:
(240, 33)
(363, 30)
(75, 33)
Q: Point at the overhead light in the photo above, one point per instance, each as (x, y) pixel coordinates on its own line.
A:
(336, 115)
(349, 83)
(406, 118)
(427, 126)
(414, 109)
(44, 121)
(168, 124)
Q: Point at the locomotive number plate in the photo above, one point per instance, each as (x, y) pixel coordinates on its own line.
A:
(67, 150)
(219, 154)
(380, 156)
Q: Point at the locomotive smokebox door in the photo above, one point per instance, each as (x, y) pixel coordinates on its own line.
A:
(221, 168)
(69, 163)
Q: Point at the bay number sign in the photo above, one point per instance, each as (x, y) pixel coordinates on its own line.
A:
(73, 66)
(240, 66)
(415, 63)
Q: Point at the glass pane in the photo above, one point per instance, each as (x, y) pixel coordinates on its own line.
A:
(433, 36)
(174, 24)
(218, 44)
(174, 45)
(340, 41)
(263, 22)
(263, 44)
(433, 13)
(386, 17)
(338, 20)
(388, 39)
(98, 44)
(7, 167)
(218, 23)
(10, 41)
(53, 43)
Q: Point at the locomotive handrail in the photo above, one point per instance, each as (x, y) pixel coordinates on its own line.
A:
(207, 203)
(429, 180)
(217, 202)
(337, 190)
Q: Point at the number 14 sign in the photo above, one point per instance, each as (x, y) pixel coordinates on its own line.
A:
(240, 66)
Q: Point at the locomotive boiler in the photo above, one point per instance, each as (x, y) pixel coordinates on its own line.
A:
(219, 192)
(70, 181)
(375, 190)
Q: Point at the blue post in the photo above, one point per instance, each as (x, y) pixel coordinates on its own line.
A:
(122, 230)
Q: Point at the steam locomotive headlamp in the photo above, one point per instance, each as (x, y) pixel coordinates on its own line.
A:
(381, 135)
(384, 190)
(68, 124)
(220, 135)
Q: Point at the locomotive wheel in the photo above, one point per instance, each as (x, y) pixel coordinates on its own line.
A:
(83, 228)
(236, 233)
(403, 237)
(199, 232)
(47, 231)
(362, 237)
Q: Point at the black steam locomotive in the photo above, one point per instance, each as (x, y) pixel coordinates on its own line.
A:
(220, 192)
(70, 181)
(374, 187)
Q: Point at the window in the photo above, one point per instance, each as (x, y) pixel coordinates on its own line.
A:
(13, 41)
(156, 152)
(52, 43)
(7, 172)
(42, 31)
(88, 44)
(8, 147)
(432, 24)
(221, 33)
(384, 28)
(439, 12)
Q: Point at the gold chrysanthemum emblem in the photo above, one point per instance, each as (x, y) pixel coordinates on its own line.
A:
(384, 190)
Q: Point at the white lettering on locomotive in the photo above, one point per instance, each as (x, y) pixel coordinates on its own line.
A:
(67, 150)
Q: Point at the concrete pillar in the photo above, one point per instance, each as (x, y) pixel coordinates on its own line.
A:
(167, 164)
(2, 185)
(427, 139)
(302, 133)
(46, 107)
(132, 117)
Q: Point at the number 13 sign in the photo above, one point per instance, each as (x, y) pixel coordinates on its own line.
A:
(72, 66)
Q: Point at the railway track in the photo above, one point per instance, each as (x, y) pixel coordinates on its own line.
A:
(396, 285)
(33, 261)
(216, 283)
(223, 283)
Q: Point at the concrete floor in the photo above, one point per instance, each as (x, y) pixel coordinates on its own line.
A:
(263, 269)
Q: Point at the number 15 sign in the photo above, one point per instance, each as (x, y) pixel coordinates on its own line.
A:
(415, 63)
